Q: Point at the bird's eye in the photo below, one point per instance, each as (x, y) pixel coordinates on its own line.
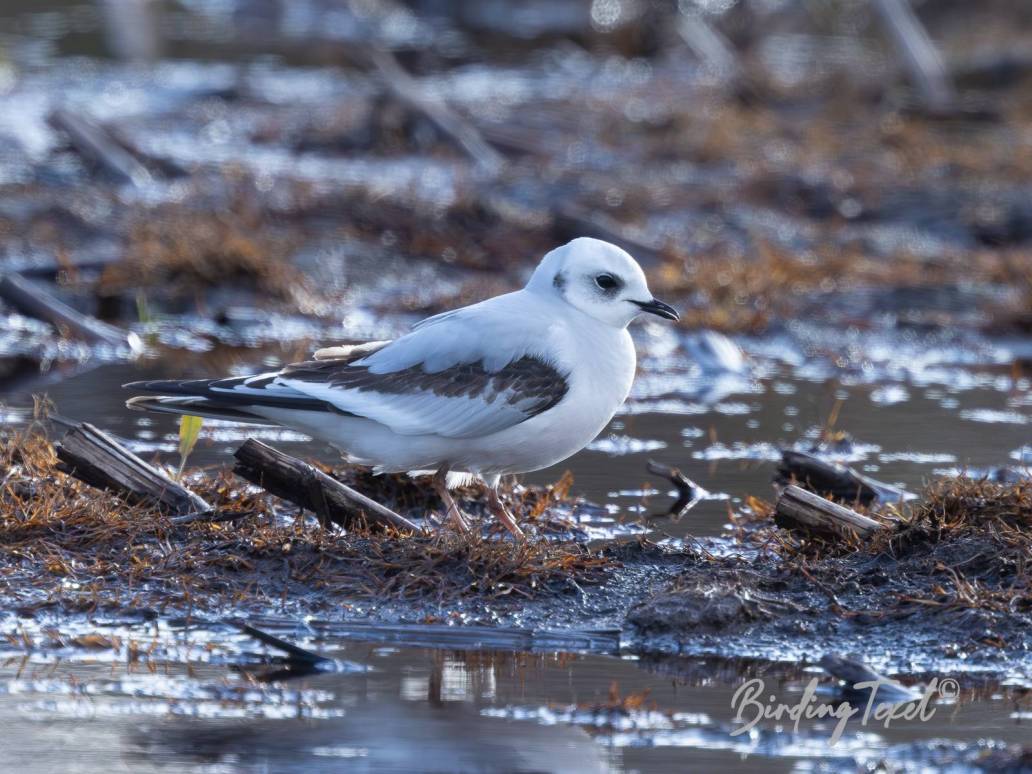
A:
(607, 281)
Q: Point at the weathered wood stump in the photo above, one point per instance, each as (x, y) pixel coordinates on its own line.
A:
(97, 459)
(308, 487)
(805, 512)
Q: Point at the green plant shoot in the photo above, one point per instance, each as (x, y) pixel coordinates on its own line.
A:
(189, 430)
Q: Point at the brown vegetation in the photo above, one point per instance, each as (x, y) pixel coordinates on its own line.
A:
(182, 254)
(68, 544)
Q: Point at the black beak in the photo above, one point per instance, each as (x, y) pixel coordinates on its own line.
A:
(657, 307)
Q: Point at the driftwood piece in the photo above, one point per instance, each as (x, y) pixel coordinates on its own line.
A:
(97, 459)
(308, 487)
(30, 299)
(712, 48)
(93, 142)
(406, 90)
(831, 478)
(922, 59)
(848, 669)
(803, 511)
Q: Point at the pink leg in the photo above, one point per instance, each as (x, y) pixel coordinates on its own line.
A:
(440, 483)
(497, 507)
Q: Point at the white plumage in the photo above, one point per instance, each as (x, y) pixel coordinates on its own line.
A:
(509, 385)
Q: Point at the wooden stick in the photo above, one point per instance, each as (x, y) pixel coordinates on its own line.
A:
(97, 459)
(852, 671)
(405, 89)
(93, 143)
(707, 43)
(310, 488)
(849, 670)
(803, 511)
(30, 299)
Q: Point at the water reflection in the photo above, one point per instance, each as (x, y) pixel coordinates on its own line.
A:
(401, 708)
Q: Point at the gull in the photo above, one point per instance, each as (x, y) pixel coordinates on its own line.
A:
(509, 385)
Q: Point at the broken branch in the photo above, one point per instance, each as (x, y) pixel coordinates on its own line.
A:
(831, 478)
(95, 144)
(689, 493)
(308, 487)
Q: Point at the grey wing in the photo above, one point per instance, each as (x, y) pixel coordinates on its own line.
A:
(461, 401)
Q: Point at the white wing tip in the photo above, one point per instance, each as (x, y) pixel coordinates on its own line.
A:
(348, 350)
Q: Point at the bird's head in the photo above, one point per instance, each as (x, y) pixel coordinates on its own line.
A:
(599, 279)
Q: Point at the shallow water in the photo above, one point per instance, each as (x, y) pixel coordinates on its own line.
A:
(388, 706)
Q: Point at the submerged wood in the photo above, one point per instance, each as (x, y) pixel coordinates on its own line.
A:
(308, 487)
(95, 144)
(95, 458)
(852, 671)
(831, 478)
(292, 652)
(479, 637)
(803, 511)
(30, 299)
(406, 90)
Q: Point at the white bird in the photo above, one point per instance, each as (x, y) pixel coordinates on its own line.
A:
(512, 384)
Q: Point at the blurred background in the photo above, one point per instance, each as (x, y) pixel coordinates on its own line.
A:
(836, 193)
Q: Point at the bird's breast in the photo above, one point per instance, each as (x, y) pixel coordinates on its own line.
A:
(600, 377)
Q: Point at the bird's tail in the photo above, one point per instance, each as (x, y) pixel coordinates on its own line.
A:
(196, 407)
(237, 399)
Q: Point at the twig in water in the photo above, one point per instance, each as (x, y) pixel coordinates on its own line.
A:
(689, 493)
(294, 656)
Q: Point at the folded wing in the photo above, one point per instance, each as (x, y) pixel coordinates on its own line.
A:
(460, 401)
